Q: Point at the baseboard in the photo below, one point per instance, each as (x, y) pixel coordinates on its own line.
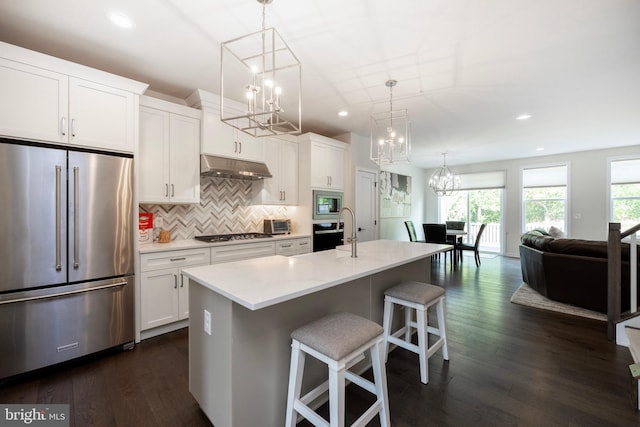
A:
(150, 333)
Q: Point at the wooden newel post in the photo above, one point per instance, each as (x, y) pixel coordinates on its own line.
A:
(614, 279)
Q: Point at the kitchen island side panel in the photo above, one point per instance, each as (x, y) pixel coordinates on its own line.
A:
(210, 356)
(240, 374)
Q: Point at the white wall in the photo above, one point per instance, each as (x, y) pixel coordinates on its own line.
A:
(588, 192)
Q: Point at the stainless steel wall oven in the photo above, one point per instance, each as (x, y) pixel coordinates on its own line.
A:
(325, 236)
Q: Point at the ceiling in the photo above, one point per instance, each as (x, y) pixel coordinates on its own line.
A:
(465, 68)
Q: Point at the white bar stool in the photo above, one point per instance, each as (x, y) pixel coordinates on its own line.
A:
(340, 340)
(416, 296)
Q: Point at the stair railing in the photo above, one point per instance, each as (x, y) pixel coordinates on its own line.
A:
(614, 274)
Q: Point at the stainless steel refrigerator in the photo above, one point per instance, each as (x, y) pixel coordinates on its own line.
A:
(66, 254)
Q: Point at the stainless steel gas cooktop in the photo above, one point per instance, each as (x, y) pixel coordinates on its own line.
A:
(212, 238)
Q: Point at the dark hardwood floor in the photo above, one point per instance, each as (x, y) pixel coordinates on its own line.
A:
(509, 365)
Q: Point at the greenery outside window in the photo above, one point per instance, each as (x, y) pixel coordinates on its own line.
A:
(479, 201)
(544, 196)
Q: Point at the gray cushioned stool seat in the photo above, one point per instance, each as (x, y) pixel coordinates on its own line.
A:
(417, 292)
(338, 334)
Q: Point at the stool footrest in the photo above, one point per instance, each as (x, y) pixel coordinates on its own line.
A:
(402, 343)
(309, 414)
(368, 415)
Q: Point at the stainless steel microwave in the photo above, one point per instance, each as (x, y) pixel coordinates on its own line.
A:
(326, 204)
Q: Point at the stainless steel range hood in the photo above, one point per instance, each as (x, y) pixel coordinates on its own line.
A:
(223, 167)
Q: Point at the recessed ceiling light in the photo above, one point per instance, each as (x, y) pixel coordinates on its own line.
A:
(121, 20)
(523, 117)
(540, 149)
(343, 113)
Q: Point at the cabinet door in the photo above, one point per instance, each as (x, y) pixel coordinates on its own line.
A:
(184, 156)
(183, 297)
(158, 298)
(153, 158)
(288, 172)
(335, 167)
(33, 104)
(272, 193)
(319, 171)
(100, 116)
(249, 148)
(218, 138)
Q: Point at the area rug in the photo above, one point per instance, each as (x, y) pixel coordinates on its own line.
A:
(524, 295)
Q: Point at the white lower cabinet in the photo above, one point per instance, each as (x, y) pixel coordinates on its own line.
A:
(164, 292)
(296, 246)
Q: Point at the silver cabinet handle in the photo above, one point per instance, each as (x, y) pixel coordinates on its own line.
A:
(63, 126)
(73, 127)
(166, 190)
(175, 281)
(76, 222)
(178, 259)
(61, 294)
(240, 145)
(287, 246)
(172, 190)
(58, 217)
(235, 150)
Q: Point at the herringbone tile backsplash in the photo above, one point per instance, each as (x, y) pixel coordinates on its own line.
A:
(225, 207)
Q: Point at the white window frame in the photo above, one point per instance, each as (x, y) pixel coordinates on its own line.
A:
(567, 205)
(611, 160)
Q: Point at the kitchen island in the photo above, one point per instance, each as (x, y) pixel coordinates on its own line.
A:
(238, 370)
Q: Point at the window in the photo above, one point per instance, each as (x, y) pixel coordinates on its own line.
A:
(625, 192)
(544, 196)
(479, 201)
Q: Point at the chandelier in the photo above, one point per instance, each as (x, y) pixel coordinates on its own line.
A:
(390, 133)
(443, 182)
(261, 73)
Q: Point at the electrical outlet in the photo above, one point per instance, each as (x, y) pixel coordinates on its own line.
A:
(207, 322)
(158, 223)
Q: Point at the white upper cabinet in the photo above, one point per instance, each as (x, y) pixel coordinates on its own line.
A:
(33, 102)
(100, 116)
(327, 165)
(220, 139)
(169, 160)
(47, 99)
(282, 159)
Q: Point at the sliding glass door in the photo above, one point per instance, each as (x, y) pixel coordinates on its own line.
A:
(476, 207)
(479, 201)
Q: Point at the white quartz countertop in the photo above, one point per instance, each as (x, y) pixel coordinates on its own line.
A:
(263, 282)
(175, 245)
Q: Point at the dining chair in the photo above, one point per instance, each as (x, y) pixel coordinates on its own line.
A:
(455, 225)
(411, 230)
(466, 247)
(437, 233)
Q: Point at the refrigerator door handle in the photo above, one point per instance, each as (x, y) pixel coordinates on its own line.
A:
(76, 224)
(64, 293)
(58, 217)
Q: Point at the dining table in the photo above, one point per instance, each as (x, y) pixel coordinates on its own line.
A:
(457, 234)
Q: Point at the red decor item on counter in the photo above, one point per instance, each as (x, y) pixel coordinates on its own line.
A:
(145, 227)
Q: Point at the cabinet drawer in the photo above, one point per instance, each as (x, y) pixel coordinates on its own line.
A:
(171, 259)
(240, 252)
(293, 246)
